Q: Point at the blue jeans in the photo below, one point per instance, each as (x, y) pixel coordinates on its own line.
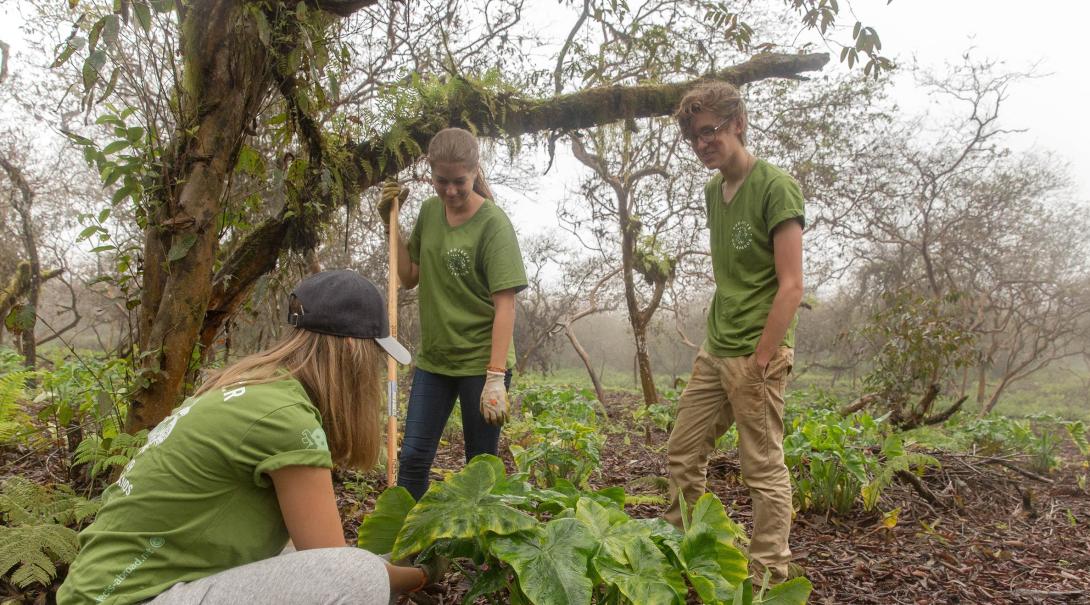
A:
(431, 400)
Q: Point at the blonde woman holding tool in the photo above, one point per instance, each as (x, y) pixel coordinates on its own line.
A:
(464, 255)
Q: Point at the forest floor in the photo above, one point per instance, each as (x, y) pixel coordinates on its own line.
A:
(993, 536)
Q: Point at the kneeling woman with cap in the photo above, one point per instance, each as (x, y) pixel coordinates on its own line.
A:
(203, 509)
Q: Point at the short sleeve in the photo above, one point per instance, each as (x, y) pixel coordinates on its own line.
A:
(291, 435)
(710, 189)
(414, 240)
(502, 259)
(784, 202)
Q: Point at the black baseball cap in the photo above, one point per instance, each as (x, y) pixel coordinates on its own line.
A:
(344, 303)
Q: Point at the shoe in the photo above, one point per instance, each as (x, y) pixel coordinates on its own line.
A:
(758, 572)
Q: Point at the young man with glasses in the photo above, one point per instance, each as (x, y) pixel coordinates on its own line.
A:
(756, 219)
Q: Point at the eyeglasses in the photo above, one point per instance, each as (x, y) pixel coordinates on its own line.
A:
(706, 134)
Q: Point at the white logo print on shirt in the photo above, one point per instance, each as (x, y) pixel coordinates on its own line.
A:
(741, 235)
(160, 433)
(457, 261)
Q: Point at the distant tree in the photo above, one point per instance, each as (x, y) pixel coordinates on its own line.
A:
(550, 296)
(957, 212)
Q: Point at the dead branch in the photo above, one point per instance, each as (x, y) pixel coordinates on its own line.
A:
(859, 404)
(1012, 466)
(944, 416)
(925, 403)
(919, 486)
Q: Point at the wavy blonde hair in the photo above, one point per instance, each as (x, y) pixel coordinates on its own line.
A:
(719, 98)
(343, 378)
(459, 146)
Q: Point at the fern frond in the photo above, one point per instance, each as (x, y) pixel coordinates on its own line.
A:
(26, 503)
(1079, 435)
(20, 501)
(85, 509)
(67, 507)
(12, 387)
(87, 450)
(104, 453)
(904, 462)
(36, 550)
(9, 430)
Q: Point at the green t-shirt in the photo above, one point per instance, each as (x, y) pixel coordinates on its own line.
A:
(742, 258)
(460, 268)
(196, 501)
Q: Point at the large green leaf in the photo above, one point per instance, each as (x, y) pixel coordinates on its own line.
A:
(563, 494)
(792, 592)
(661, 529)
(709, 510)
(744, 595)
(715, 568)
(611, 528)
(648, 578)
(616, 494)
(551, 563)
(463, 506)
(21, 318)
(379, 529)
(488, 582)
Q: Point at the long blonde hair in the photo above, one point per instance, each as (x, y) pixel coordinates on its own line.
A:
(341, 375)
(459, 146)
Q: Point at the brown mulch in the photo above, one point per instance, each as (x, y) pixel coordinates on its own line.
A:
(995, 536)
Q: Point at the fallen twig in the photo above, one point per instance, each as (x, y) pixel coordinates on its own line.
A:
(1014, 467)
(920, 488)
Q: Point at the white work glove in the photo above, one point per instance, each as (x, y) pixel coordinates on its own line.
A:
(390, 190)
(494, 399)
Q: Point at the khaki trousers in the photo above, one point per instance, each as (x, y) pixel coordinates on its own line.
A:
(725, 391)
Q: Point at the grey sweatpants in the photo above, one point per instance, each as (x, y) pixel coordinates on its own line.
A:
(322, 576)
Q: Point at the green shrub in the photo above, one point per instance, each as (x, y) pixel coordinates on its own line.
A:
(515, 543)
(558, 436)
(828, 458)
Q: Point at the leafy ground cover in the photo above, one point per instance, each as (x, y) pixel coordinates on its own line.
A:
(992, 534)
(991, 510)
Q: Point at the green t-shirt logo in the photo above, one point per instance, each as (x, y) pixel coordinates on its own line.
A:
(741, 236)
(315, 440)
(457, 261)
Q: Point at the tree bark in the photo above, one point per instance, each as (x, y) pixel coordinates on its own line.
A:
(946, 414)
(981, 384)
(859, 404)
(569, 331)
(623, 186)
(994, 399)
(227, 77)
(585, 358)
(15, 288)
(23, 207)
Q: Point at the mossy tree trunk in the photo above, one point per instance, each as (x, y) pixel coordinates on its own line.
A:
(226, 77)
(27, 319)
